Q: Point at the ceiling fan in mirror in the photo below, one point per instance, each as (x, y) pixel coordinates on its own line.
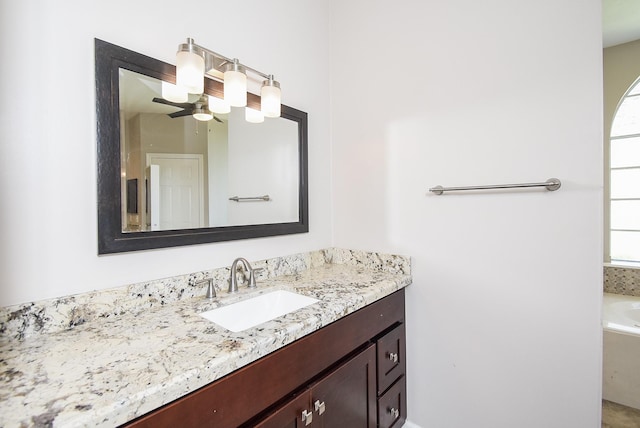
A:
(198, 109)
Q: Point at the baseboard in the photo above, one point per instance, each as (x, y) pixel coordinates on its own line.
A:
(409, 424)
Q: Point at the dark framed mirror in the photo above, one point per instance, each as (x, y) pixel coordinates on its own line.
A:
(166, 179)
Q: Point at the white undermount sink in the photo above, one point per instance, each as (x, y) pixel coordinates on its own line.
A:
(256, 310)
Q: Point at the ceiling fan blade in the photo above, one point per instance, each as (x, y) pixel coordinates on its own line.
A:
(171, 103)
(185, 112)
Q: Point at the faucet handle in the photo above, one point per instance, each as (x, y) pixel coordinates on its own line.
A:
(252, 277)
(211, 291)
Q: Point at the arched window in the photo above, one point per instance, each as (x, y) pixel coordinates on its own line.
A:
(625, 180)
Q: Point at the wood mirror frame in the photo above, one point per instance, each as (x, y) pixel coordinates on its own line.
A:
(109, 59)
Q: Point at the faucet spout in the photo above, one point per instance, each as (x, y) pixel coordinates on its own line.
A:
(233, 281)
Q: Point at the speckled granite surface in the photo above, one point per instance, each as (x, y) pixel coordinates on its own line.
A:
(622, 280)
(110, 369)
(48, 316)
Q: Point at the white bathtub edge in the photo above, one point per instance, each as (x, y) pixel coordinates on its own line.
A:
(613, 320)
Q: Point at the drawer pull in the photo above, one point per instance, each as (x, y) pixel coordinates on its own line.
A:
(393, 357)
(307, 417)
(394, 412)
(319, 406)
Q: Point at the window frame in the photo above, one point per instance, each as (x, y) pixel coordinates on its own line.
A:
(632, 92)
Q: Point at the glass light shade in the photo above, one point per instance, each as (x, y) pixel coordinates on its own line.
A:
(235, 88)
(218, 105)
(190, 71)
(202, 114)
(270, 101)
(252, 115)
(174, 93)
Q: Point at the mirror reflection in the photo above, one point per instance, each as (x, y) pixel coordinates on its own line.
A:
(167, 180)
(182, 173)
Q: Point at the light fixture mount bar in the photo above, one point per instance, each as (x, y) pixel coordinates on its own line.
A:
(216, 61)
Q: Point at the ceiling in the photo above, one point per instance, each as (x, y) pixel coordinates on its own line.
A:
(620, 21)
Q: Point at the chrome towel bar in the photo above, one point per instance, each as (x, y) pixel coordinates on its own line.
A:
(250, 198)
(551, 185)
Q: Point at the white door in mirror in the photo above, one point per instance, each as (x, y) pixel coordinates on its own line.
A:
(254, 311)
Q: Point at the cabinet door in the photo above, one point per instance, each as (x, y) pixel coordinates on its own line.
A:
(296, 413)
(347, 396)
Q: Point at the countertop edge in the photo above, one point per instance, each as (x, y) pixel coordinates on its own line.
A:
(60, 390)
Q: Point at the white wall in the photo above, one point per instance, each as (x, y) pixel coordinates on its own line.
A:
(504, 312)
(48, 162)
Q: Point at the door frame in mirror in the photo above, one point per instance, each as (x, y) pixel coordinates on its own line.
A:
(109, 59)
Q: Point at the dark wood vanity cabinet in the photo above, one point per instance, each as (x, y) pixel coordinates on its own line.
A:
(350, 373)
(346, 397)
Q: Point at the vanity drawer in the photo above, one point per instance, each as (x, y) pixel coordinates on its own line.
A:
(392, 405)
(391, 357)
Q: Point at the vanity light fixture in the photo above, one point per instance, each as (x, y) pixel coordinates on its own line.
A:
(194, 61)
(174, 93)
(253, 116)
(190, 67)
(270, 97)
(235, 84)
(218, 105)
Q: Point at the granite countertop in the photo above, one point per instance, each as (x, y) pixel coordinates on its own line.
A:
(111, 370)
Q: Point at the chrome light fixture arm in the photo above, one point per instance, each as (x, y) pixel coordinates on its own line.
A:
(194, 61)
(217, 61)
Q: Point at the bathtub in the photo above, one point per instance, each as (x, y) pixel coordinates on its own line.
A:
(621, 356)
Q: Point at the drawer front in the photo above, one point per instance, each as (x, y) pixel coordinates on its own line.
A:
(392, 406)
(391, 357)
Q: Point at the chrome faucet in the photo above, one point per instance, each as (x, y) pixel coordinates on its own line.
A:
(233, 281)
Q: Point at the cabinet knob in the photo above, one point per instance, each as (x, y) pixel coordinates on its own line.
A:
(319, 407)
(394, 412)
(393, 357)
(307, 417)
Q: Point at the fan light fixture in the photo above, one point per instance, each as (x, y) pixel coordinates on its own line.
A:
(202, 114)
(194, 61)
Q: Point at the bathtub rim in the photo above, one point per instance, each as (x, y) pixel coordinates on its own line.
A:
(615, 322)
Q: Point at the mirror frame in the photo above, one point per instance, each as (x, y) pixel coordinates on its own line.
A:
(109, 59)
